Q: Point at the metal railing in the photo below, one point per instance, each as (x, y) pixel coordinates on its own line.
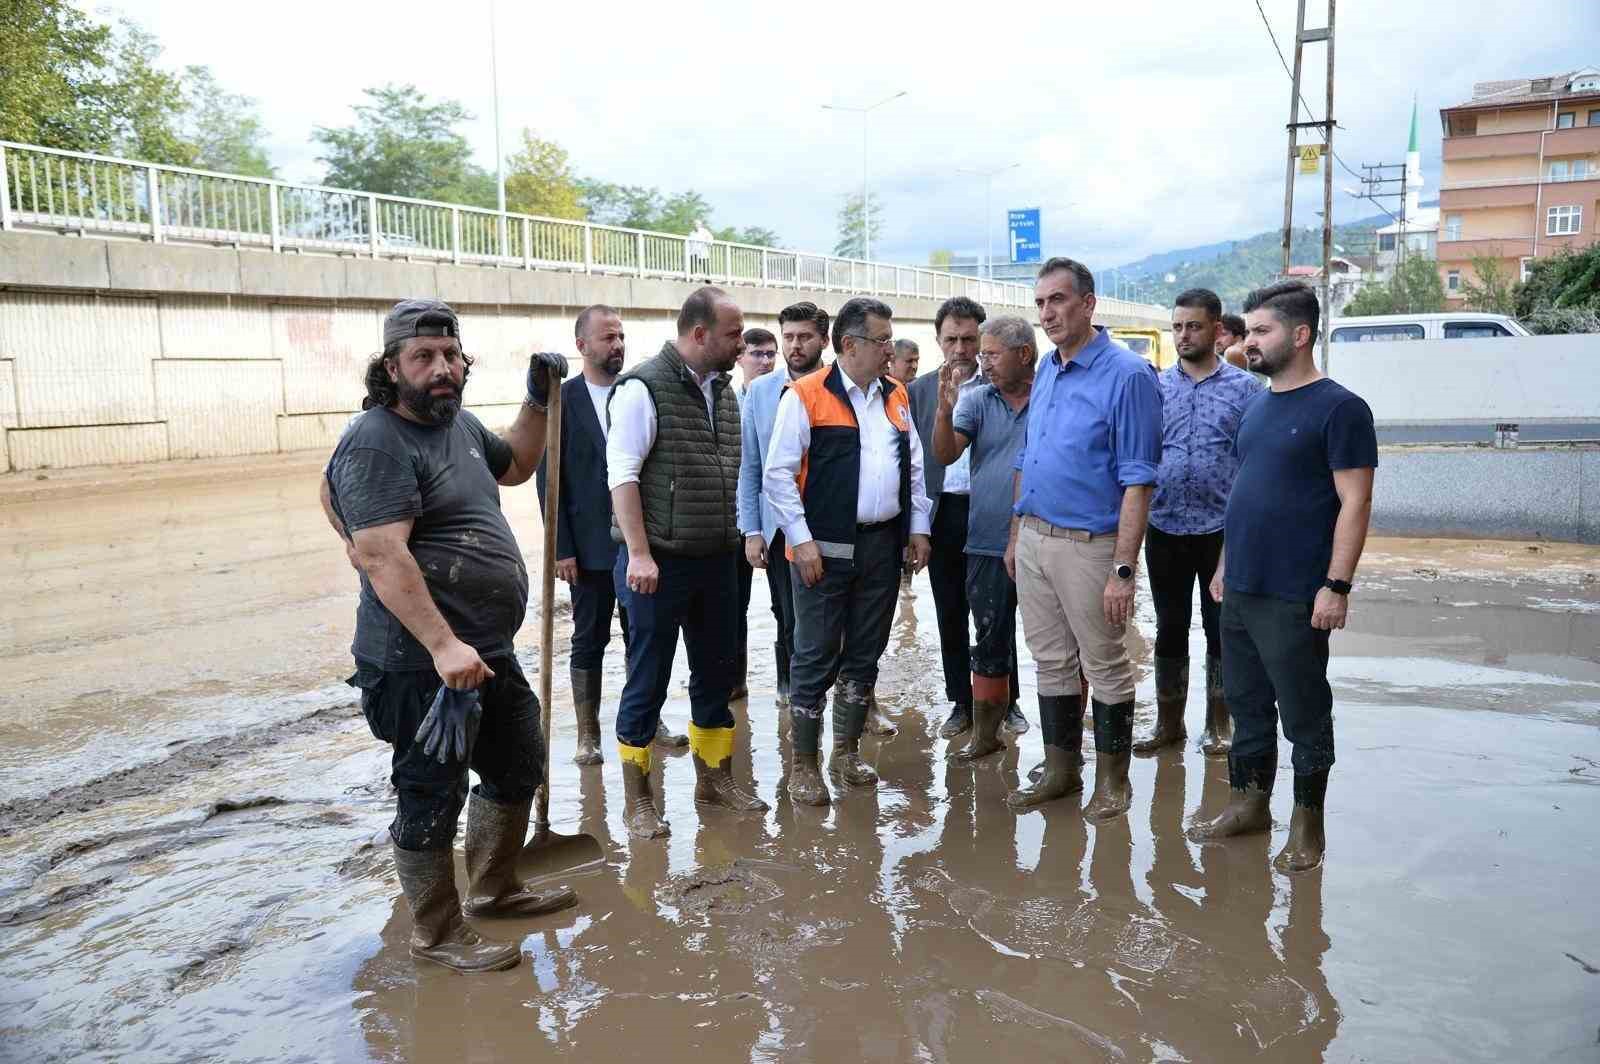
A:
(48, 190)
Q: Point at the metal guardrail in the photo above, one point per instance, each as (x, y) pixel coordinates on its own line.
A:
(49, 190)
(74, 192)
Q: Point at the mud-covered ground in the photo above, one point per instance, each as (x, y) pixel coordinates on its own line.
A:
(193, 862)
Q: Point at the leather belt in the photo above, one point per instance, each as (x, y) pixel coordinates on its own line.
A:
(1076, 535)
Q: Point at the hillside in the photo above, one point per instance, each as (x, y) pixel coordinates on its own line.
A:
(1233, 268)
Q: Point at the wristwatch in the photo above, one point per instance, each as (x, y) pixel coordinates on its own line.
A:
(1122, 571)
(1338, 587)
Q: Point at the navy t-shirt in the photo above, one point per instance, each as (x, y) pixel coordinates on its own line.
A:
(1278, 531)
(444, 479)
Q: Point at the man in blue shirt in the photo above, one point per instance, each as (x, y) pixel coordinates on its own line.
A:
(1082, 487)
(1202, 398)
(1293, 533)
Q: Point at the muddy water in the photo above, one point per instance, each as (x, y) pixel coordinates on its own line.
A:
(193, 867)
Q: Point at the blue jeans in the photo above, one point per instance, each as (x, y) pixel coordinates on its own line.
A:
(700, 598)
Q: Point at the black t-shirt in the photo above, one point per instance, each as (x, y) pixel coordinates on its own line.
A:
(1278, 532)
(388, 469)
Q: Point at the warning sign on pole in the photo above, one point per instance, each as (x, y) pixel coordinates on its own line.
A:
(1310, 158)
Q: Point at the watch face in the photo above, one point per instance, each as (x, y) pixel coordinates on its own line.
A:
(1124, 571)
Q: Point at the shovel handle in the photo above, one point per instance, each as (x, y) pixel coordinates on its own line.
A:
(547, 588)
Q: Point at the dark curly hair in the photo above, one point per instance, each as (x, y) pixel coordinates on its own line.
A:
(381, 391)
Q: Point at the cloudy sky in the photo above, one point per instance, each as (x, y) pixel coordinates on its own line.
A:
(1140, 125)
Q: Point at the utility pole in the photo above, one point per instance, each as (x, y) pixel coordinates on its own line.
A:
(1303, 37)
(499, 155)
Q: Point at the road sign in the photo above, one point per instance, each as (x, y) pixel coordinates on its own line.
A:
(1023, 231)
(1310, 158)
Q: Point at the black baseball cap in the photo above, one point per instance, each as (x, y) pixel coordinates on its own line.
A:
(420, 317)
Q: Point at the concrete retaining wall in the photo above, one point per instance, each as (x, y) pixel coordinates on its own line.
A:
(1547, 493)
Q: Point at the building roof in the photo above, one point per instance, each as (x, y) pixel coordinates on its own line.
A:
(1519, 91)
(1303, 271)
(1424, 220)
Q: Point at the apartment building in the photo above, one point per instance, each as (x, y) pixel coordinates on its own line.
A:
(1521, 176)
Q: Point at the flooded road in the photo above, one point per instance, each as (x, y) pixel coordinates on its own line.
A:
(194, 863)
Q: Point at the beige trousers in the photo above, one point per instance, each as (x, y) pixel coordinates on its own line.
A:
(1061, 585)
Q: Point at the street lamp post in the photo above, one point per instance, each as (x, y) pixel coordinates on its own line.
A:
(499, 155)
(988, 204)
(866, 214)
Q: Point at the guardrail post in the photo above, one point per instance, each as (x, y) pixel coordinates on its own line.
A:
(272, 215)
(153, 190)
(588, 249)
(455, 235)
(688, 263)
(638, 244)
(5, 193)
(373, 238)
(527, 244)
(763, 250)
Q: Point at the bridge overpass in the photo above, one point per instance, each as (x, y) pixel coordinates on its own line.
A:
(151, 312)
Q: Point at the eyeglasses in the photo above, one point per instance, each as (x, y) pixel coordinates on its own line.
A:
(886, 342)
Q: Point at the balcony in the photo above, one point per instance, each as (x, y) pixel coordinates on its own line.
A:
(1500, 247)
(1522, 194)
(1493, 145)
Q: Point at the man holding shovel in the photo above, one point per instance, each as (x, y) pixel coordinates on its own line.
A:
(413, 489)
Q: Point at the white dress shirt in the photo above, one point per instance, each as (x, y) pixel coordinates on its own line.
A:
(633, 427)
(958, 475)
(878, 491)
(598, 394)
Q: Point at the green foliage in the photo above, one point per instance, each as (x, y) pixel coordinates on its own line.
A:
(1245, 264)
(1493, 290)
(1562, 292)
(53, 76)
(941, 258)
(403, 144)
(1413, 288)
(641, 207)
(539, 180)
(851, 241)
(759, 236)
(223, 127)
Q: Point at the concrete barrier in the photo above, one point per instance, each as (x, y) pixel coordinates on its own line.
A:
(1527, 493)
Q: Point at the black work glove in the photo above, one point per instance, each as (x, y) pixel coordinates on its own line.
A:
(544, 367)
(450, 729)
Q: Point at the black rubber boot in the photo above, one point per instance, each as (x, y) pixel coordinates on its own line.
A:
(1172, 698)
(1113, 745)
(1061, 722)
(849, 720)
(741, 678)
(495, 834)
(1249, 804)
(1219, 722)
(805, 773)
(780, 654)
(1307, 842)
(586, 705)
(640, 811)
(987, 716)
(712, 750)
(438, 932)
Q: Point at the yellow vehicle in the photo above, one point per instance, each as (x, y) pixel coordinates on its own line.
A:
(1153, 345)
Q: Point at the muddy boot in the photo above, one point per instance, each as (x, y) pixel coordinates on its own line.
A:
(1015, 723)
(586, 704)
(877, 723)
(438, 933)
(639, 810)
(1219, 722)
(780, 654)
(987, 714)
(1306, 844)
(667, 738)
(1113, 742)
(960, 720)
(1061, 722)
(713, 771)
(805, 774)
(1248, 811)
(741, 678)
(495, 834)
(849, 720)
(1172, 697)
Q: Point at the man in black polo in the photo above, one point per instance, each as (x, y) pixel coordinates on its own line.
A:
(585, 551)
(412, 489)
(1295, 526)
(672, 461)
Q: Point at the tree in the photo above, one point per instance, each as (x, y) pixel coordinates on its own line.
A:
(680, 212)
(52, 73)
(539, 180)
(1413, 288)
(1492, 289)
(941, 258)
(852, 238)
(146, 103)
(1562, 292)
(403, 144)
(224, 128)
(631, 206)
(756, 235)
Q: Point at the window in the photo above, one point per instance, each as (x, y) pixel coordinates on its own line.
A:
(1452, 281)
(1452, 227)
(1563, 221)
(1473, 330)
(1586, 83)
(1566, 119)
(1527, 268)
(1373, 333)
(1594, 118)
(1570, 170)
(1464, 125)
(1385, 241)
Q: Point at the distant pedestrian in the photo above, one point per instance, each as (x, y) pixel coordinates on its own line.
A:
(1294, 530)
(907, 356)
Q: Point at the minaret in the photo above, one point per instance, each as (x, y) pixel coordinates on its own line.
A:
(1413, 169)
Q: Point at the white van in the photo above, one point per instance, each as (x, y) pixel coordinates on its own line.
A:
(1462, 325)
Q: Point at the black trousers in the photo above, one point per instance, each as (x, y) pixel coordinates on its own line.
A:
(594, 600)
(746, 582)
(1176, 564)
(508, 756)
(947, 574)
(842, 622)
(780, 591)
(1275, 665)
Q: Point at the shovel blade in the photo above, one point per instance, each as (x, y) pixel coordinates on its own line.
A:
(549, 855)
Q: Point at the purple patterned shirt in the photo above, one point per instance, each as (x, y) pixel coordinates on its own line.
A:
(1200, 420)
